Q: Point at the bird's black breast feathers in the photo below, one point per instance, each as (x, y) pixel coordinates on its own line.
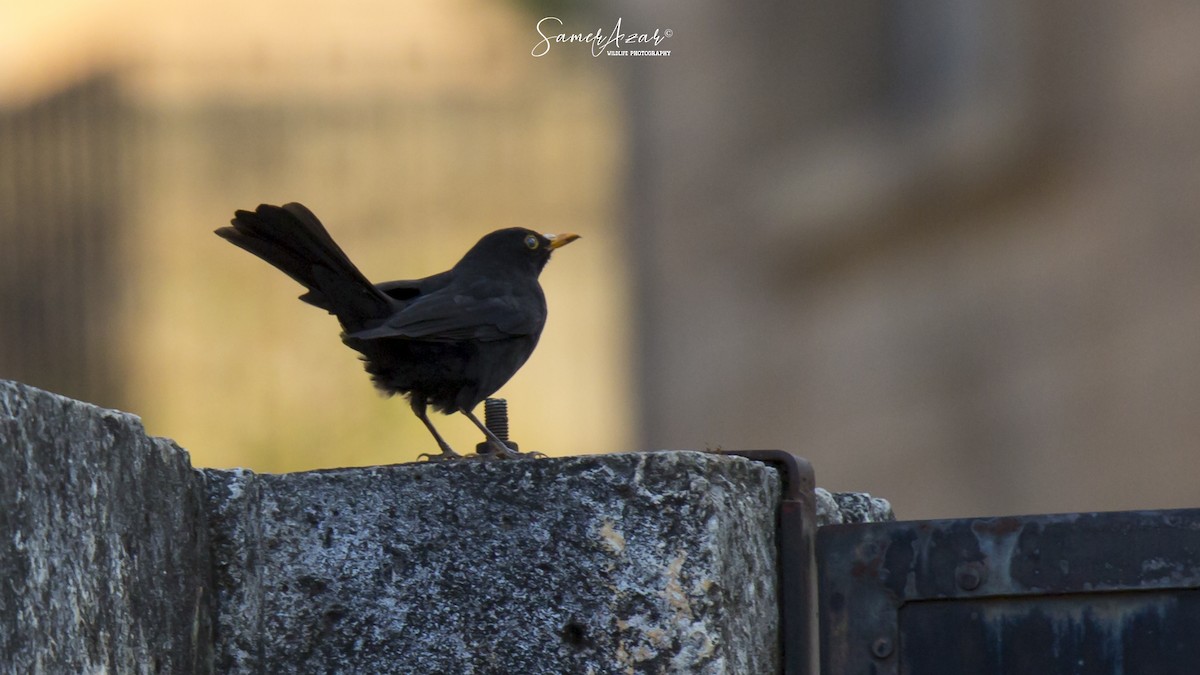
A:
(450, 376)
(453, 340)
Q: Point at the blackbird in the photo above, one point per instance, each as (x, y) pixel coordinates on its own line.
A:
(449, 340)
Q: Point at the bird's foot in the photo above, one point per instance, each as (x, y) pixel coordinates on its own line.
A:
(445, 455)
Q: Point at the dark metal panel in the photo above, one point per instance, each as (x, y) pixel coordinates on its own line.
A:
(1079, 634)
(889, 590)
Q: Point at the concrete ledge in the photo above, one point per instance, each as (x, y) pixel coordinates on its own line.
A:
(652, 562)
(117, 556)
(839, 508)
(103, 547)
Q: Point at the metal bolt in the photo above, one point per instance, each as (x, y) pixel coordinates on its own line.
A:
(495, 418)
(882, 647)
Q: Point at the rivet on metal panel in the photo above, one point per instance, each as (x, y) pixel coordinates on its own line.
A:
(882, 647)
(970, 575)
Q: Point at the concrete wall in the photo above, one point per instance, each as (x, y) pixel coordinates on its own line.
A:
(104, 544)
(118, 556)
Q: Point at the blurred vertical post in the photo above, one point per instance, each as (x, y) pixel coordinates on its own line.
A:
(62, 193)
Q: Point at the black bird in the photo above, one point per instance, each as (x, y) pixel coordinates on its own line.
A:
(449, 340)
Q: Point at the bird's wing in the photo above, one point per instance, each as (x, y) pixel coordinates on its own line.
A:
(410, 289)
(447, 316)
(401, 290)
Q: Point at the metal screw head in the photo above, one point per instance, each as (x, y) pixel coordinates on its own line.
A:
(882, 647)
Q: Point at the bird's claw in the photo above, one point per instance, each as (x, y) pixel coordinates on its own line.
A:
(443, 456)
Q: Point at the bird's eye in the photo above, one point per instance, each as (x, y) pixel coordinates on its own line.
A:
(531, 243)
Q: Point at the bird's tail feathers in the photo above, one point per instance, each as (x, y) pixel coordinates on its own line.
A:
(290, 238)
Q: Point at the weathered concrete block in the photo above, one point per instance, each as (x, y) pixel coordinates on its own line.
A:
(650, 562)
(117, 556)
(836, 508)
(103, 547)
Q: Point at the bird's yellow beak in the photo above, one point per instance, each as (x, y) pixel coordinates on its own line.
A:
(562, 239)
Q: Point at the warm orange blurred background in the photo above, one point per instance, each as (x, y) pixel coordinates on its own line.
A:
(948, 251)
(411, 129)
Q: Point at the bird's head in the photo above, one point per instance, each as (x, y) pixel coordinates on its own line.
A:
(515, 248)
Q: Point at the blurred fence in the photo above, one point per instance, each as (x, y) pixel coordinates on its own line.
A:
(61, 191)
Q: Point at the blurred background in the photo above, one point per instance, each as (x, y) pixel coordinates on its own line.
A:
(946, 250)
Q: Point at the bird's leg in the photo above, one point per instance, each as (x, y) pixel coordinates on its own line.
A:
(501, 449)
(418, 408)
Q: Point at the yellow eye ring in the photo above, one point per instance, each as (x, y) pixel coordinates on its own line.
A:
(531, 242)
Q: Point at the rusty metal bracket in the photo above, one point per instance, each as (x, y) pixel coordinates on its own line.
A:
(795, 533)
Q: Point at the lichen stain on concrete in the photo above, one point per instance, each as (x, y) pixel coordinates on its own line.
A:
(627, 661)
(673, 593)
(613, 539)
(642, 640)
(643, 643)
